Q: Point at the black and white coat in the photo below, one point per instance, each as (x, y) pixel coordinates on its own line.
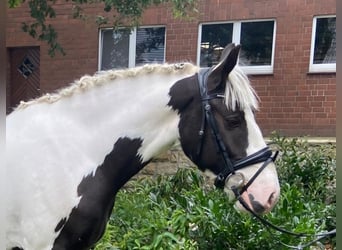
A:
(70, 152)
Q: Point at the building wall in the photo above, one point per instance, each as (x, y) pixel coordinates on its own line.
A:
(293, 101)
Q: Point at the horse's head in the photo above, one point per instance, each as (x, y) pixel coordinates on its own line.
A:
(218, 132)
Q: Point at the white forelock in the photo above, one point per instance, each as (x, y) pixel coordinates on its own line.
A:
(239, 91)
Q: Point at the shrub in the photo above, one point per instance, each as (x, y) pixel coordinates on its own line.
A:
(181, 212)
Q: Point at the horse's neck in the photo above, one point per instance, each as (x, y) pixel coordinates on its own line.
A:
(76, 134)
(132, 108)
(137, 108)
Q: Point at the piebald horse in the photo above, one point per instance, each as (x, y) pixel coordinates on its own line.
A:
(68, 153)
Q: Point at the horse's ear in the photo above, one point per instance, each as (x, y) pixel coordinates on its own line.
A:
(219, 73)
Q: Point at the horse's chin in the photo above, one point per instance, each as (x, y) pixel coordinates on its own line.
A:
(230, 194)
(232, 198)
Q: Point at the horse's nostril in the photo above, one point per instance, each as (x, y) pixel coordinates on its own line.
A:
(271, 199)
(257, 207)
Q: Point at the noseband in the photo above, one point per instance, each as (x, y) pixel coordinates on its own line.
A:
(230, 168)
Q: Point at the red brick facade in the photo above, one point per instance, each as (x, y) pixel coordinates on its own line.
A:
(293, 101)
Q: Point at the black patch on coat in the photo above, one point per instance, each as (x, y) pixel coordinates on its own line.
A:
(185, 98)
(87, 221)
(60, 224)
(183, 92)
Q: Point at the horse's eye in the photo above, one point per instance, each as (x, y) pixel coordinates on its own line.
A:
(233, 121)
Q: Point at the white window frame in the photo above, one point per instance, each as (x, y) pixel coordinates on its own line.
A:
(321, 67)
(236, 36)
(132, 44)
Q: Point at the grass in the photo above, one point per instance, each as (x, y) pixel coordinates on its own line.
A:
(182, 212)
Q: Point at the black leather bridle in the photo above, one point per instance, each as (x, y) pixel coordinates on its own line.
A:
(264, 155)
(230, 168)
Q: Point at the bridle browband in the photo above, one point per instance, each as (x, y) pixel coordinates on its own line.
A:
(230, 168)
(264, 155)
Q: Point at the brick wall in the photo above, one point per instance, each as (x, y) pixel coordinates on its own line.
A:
(293, 101)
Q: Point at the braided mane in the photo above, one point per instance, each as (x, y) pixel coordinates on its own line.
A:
(104, 77)
(238, 90)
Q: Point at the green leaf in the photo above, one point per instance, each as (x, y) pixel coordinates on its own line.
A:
(14, 3)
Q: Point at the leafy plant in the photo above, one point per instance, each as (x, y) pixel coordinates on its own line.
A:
(308, 166)
(181, 212)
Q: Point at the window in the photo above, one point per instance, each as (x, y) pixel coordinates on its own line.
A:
(124, 48)
(323, 45)
(256, 38)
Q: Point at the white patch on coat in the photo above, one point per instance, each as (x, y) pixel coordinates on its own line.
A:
(239, 90)
(267, 182)
(55, 141)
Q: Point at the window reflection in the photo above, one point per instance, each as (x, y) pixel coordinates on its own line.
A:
(214, 38)
(150, 45)
(115, 49)
(256, 40)
(325, 41)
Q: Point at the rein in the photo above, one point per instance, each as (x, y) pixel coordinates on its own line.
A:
(264, 155)
(266, 223)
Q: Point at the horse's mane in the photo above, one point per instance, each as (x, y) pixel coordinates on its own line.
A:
(102, 77)
(239, 91)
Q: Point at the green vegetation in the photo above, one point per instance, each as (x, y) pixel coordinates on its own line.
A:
(183, 212)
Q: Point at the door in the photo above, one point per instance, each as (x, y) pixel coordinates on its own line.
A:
(24, 75)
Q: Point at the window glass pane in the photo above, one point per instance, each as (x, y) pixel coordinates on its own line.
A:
(150, 45)
(256, 43)
(325, 41)
(214, 38)
(115, 49)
